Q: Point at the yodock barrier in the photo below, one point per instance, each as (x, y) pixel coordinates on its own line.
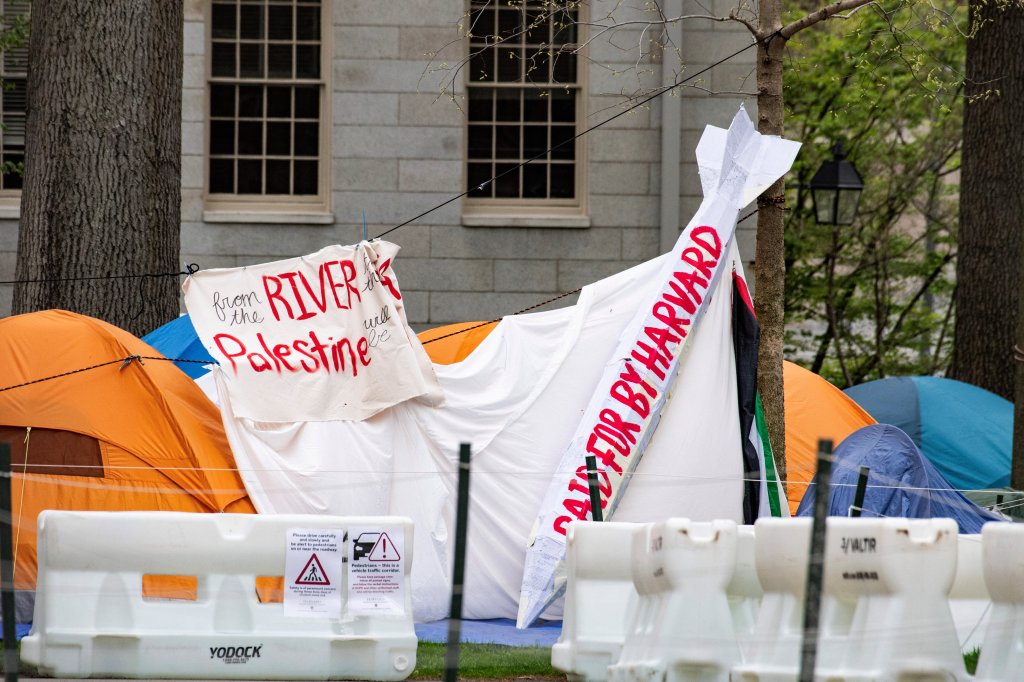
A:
(599, 598)
(682, 628)
(352, 621)
(772, 650)
(1002, 650)
(886, 612)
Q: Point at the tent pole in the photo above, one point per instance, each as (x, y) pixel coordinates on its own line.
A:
(7, 568)
(816, 561)
(451, 658)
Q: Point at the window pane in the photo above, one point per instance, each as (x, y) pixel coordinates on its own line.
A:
(508, 105)
(14, 165)
(509, 23)
(222, 100)
(251, 23)
(279, 102)
(305, 177)
(279, 22)
(537, 27)
(564, 68)
(535, 105)
(481, 65)
(307, 139)
(14, 91)
(477, 174)
(250, 101)
(537, 66)
(535, 140)
(279, 139)
(535, 180)
(307, 61)
(250, 138)
(509, 64)
(222, 137)
(223, 20)
(480, 142)
(307, 102)
(506, 142)
(279, 61)
(307, 23)
(507, 185)
(249, 176)
(563, 181)
(222, 176)
(561, 134)
(223, 60)
(250, 59)
(278, 180)
(563, 105)
(480, 104)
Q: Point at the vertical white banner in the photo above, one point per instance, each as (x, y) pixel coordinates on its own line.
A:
(376, 571)
(312, 573)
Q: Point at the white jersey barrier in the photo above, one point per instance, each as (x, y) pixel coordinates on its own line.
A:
(886, 612)
(772, 651)
(599, 598)
(1002, 650)
(682, 628)
(91, 618)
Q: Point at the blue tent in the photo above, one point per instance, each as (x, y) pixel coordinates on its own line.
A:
(965, 431)
(178, 339)
(901, 483)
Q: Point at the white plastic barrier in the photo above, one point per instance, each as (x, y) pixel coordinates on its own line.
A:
(744, 590)
(968, 598)
(886, 612)
(598, 600)
(1002, 650)
(772, 650)
(91, 618)
(682, 628)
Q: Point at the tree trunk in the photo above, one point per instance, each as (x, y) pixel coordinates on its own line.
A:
(102, 187)
(769, 261)
(988, 269)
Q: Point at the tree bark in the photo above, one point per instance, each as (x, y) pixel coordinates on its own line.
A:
(988, 269)
(769, 258)
(102, 186)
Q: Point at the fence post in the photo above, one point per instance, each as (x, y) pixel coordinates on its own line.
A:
(451, 658)
(816, 561)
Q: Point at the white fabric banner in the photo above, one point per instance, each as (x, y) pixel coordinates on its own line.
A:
(321, 337)
(622, 415)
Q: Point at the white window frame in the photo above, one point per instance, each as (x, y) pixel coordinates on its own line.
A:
(272, 208)
(519, 212)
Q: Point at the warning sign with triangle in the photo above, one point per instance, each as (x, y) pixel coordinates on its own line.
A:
(313, 573)
(384, 550)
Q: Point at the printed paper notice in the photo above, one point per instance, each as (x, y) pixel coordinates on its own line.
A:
(376, 571)
(313, 573)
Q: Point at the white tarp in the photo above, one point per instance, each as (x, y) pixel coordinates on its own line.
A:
(517, 399)
(623, 413)
(315, 338)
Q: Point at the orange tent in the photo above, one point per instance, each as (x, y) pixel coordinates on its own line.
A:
(814, 407)
(140, 436)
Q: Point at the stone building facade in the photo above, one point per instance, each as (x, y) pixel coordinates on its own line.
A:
(300, 115)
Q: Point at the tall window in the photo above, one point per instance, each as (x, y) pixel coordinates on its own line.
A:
(266, 100)
(523, 98)
(14, 75)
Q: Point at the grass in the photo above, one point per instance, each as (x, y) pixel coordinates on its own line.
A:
(971, 660)
(486, 661)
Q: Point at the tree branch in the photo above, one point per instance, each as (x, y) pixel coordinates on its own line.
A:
(787, 31)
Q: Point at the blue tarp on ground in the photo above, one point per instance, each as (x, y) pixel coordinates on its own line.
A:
(901, 483)
(178, 339)
(495, 631)
(965, 431)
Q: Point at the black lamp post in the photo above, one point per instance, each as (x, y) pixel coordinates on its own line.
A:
(836, 189)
